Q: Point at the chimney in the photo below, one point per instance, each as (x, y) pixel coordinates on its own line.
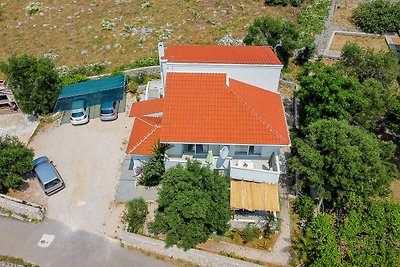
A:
(227, 79)
(161, 50)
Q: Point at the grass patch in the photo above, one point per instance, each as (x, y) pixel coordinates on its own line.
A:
(14, 260)
(376, 43)
(342, 14)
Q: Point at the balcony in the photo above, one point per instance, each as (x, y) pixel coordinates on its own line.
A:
(255, 170)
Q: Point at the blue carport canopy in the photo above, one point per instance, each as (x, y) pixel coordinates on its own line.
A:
(92, 92)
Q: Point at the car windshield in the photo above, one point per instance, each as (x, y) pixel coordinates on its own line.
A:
(77, 114)
(52, 183)
(106, 111)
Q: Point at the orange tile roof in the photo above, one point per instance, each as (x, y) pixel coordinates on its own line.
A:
(145, 133)
(221, 54)
(147, 107)
(200, 108)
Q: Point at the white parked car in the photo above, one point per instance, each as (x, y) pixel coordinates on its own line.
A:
(79, 113)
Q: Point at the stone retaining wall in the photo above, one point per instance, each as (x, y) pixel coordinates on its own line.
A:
(152, 70)
(195, 256)
(20, 210)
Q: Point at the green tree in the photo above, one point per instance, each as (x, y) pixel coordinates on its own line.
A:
(364, 64)
(154, 167)
(34, 82)
(378, 16)
(322, 250)
(340, 160)
(15, 160)
(135, 215)
(282, 35)
(193, 203)
(325, 93)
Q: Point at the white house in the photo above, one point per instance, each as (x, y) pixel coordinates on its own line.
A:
(227, 115)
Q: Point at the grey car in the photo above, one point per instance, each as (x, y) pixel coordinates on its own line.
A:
(49, 178)
(108, 111)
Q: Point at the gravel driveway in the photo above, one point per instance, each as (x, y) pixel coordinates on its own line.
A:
(88, 158)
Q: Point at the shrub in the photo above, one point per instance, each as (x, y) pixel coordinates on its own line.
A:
(312, 20)
(107, 25)
(33, 8)
(249, 233)
(305, 207)
(378, 16)
(133, 87)
(135, 215)
(74, 78)
(15, 160)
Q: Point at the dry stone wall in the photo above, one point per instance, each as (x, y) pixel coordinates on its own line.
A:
(20, 210)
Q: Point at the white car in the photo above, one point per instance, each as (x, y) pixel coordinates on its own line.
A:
(79, 113)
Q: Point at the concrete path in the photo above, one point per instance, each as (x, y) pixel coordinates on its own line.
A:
(68, 248)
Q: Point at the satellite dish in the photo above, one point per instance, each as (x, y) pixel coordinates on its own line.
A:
(223, 153)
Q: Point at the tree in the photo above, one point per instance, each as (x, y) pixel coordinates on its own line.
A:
(136, 214)
(15, 160)
(282, 35)
(378, 16)
(34, 82)
(154, 167)
(325, 93)
(368, 235)
(364, 64)
(339, 160)
(323, 250)
(193, 203)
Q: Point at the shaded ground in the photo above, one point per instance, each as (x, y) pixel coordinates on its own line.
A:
(88, 158)
(69, 247)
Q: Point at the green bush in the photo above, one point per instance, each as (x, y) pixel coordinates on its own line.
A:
(136, 214)
(154, 167)
(34, 7)
(74, 78)
(305, 207)
(15, 160)
(378, 16)
(133, 87)
(312, 20)
(249, 233)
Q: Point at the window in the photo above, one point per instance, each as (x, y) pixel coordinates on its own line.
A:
(254, 150)
(241, 150)
(248, 150)
(201, 149)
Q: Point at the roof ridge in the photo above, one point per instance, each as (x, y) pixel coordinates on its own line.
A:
(244, 103)
(147, 136)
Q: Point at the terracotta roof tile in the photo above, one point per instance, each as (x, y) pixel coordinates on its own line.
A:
(147, 107)
(200, 108)
(221, 54)
(145, 133)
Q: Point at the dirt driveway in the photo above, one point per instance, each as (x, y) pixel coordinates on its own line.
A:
(88, 158)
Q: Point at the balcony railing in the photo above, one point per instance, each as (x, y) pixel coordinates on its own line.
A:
(249, 170)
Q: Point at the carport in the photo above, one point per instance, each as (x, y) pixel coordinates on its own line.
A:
(92, 93)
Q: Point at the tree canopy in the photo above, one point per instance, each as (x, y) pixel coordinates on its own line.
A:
(193, 203)
(367, 236)
(378, 16)
(34, 82)
(324, 93)
(382, 66)
(15, 160)
(282, 35)
(339, 161)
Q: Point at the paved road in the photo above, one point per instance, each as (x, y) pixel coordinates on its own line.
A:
(69, 248)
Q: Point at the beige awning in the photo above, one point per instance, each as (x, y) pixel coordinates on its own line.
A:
(254, 196)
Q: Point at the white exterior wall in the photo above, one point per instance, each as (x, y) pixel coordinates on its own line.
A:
(263, 76)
